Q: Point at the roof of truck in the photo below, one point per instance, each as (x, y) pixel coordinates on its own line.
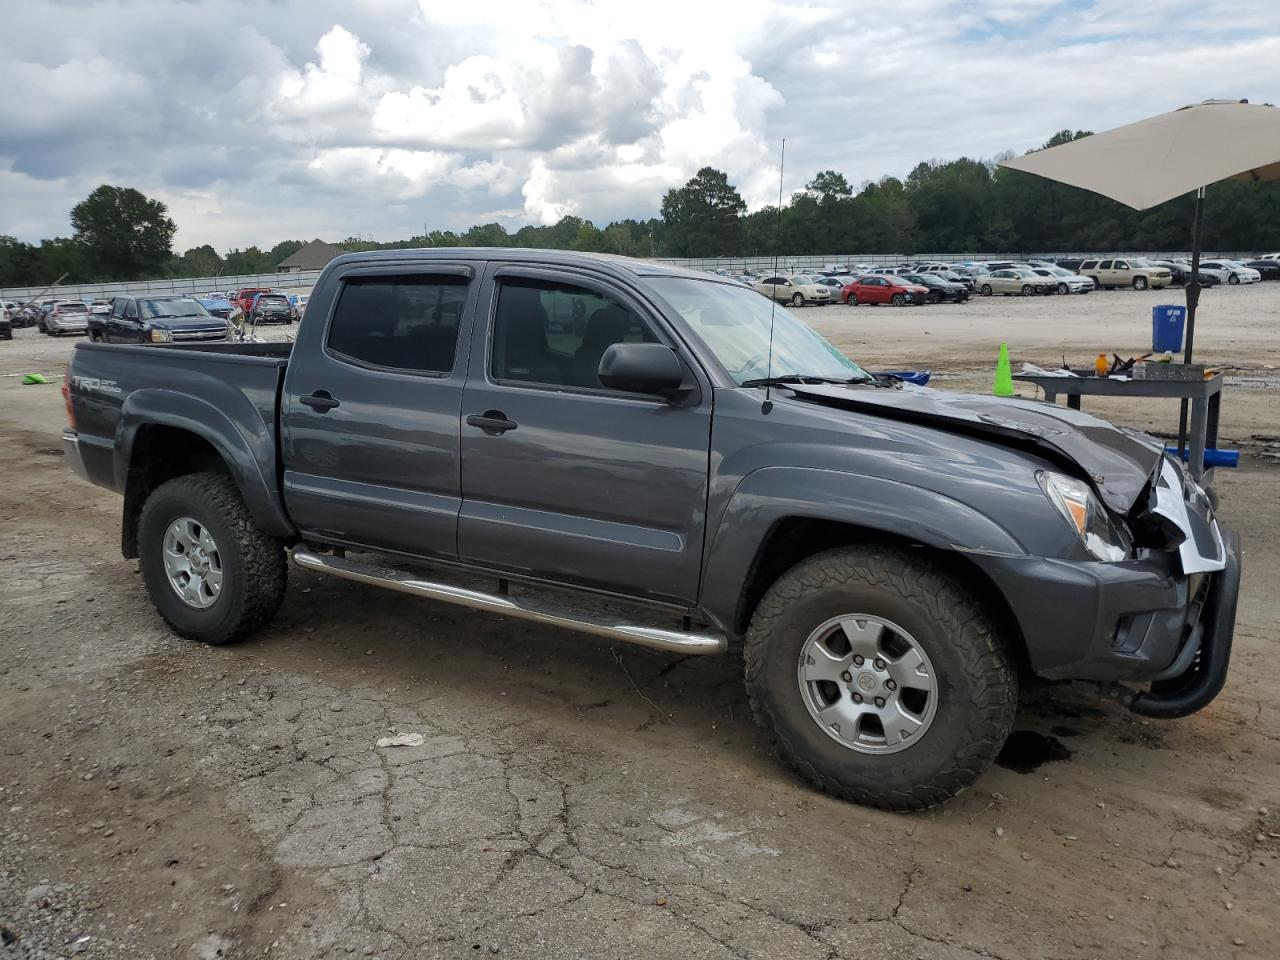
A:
(611, 263)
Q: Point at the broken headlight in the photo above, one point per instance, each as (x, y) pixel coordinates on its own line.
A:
(1073, 499)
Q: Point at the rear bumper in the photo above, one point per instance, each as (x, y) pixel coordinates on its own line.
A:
(1141, 621)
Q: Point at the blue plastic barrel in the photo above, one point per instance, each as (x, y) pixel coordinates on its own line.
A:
(1167, 324)
(1212, 457)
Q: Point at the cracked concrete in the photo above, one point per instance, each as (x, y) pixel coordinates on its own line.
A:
(181, 793)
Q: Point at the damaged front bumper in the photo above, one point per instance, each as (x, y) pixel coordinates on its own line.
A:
(1165, 619)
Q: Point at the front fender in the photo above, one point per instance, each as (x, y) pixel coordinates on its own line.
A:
(771, 495)
(248, 455)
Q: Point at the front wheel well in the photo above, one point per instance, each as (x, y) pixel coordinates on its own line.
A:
(159, 454)
(797, 538)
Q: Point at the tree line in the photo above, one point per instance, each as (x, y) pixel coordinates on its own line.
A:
(957, 206)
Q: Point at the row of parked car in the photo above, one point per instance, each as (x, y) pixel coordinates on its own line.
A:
(934, 281)
(153, 319)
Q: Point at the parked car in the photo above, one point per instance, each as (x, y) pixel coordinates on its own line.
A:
(66, 316)
(1015, 280)
(1070, 263)
(1234, 272)
(949, 273)
(834, 285)
(243, 298)
(217, 306)
(939, 289)
(1064, 280)
(889, 560)
(1209, 277)
(170, 319)
(101, 305)
(1269, 256)
(1126, 272)
(1268, 269)
(880, 288)
(796, 289)
(6, 323)
(270, 308)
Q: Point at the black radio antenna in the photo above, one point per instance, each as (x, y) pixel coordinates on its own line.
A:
(773, 310)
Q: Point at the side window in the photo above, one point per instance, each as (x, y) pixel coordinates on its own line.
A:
(117, 308)
(403, 322)
(556, 333)
(1105, 265)
(131, 309)
(1121, 265)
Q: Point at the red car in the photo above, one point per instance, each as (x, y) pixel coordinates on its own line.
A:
(883, 288)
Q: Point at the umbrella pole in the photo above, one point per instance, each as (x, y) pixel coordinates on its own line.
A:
(1193, 299)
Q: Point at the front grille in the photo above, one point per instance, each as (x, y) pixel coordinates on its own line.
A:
(200, 335)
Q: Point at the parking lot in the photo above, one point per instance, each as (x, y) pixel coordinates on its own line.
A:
(572, 799)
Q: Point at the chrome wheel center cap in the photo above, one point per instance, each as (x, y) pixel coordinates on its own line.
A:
(866, 682)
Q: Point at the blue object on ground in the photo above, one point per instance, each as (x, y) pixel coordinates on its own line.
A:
(1168, 321)
(1212, 457)
(918, 377)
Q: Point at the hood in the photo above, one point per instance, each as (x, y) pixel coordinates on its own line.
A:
(1119, 462)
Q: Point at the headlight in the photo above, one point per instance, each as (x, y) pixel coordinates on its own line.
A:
(1088, 518)
(161, 336)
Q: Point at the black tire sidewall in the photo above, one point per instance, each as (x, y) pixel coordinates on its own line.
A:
(957, 724)
(183, 498)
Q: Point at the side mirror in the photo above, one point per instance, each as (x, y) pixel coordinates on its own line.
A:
(641, 368)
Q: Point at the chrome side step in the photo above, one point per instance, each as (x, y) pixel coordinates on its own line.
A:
(672, 641)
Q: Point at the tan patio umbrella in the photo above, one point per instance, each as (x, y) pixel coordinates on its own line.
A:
(1146, 163)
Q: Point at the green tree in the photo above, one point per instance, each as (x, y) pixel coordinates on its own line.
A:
(703, 218)
(829, 183)
(285, 249)
(125, 234)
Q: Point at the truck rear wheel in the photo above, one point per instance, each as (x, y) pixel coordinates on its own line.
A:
(211, 573)
(880, 677)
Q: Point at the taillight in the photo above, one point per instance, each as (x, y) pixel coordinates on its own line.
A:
(66, 398)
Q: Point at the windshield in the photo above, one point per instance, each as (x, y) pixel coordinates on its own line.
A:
(181, 307)
(73, 308)
(734, 324)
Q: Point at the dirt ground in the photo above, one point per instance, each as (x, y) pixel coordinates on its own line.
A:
(576, 800)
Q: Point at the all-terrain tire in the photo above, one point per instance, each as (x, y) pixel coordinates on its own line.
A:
(254, 567)
(977, 686)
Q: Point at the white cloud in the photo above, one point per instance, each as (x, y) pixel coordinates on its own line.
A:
(298, 118)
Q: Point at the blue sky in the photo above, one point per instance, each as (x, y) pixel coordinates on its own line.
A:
(258, 121)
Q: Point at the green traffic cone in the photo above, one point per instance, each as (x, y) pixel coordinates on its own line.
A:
(1003, 386)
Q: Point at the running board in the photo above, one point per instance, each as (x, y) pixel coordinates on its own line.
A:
(656, 638)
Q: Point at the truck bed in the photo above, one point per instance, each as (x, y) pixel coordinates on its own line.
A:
(226, 392)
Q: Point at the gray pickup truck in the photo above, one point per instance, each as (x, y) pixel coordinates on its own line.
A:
(665, 458)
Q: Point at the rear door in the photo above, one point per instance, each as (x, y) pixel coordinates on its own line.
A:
(370, 416)
(562, 478)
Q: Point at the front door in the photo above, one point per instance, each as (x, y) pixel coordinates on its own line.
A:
(562, 478)
(370, 417)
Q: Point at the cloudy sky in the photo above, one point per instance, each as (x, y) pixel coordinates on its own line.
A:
(273, 119)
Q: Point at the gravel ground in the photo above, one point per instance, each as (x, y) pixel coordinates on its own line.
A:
(569, 799)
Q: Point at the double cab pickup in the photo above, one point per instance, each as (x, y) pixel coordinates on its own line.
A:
(667, 458)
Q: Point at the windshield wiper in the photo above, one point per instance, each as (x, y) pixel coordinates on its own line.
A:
(788, 378)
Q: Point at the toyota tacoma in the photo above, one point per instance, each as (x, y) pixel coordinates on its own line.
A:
(666, 458)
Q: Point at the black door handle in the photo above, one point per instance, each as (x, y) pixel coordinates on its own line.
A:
(492, 422)
(320, 401)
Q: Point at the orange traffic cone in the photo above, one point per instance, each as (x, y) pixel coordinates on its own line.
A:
(1003, 387)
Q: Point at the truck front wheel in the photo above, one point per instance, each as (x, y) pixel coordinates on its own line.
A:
(880, 677)
(211, 573)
